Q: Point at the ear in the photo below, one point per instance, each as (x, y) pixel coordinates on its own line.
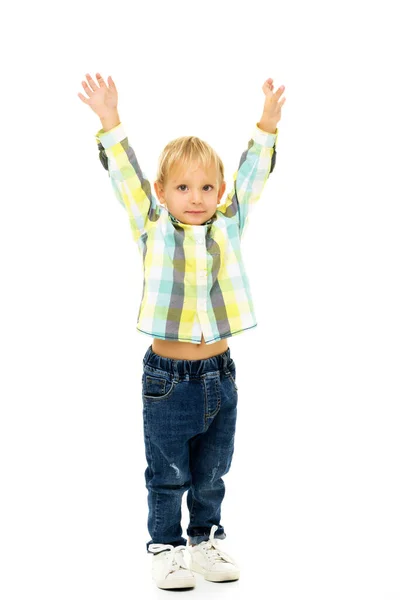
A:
(160, 192)
(221, 190)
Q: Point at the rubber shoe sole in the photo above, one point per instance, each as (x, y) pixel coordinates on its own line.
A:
(216, 576)
(175, 583)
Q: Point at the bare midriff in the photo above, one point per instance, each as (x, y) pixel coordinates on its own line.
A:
(187, 350)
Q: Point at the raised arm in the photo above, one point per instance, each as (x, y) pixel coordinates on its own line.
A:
(131, 187)
(257, 162)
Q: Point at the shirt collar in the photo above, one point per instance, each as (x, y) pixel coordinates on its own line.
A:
(175, 220)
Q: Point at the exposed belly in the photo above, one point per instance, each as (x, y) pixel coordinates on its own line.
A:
(188, 351)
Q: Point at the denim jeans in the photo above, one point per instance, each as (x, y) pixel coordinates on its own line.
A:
(189, 420)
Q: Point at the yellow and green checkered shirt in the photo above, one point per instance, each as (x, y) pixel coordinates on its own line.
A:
(194, 279)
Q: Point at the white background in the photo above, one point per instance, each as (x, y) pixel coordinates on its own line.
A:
(313, 495)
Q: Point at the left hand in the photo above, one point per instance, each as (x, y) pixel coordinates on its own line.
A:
(272, 107)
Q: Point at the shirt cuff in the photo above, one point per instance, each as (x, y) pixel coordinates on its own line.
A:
(264, 138)
(111, 137)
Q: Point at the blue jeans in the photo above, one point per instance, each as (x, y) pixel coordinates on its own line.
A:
(189, 419)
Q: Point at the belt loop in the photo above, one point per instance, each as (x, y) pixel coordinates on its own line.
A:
(225, 362)
(176, 372)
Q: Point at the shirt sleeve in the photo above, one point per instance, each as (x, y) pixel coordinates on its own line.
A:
(130, 185)
(255, 166)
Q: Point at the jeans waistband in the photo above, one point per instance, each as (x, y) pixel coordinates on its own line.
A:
(181, 367)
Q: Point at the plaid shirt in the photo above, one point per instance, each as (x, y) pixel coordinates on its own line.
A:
(194, 278)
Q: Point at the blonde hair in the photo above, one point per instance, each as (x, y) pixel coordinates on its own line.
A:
(185, 150)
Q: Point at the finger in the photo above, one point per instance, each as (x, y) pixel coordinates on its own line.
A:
(270, 83)
(279, 92)
(100, 80)
(267, 88)
(87, 89)
(91, 82)
(85, 100)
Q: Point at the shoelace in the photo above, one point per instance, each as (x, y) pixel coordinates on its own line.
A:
(214, 553)
(174, 556)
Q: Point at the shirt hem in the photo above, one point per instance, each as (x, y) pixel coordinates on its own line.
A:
(231, 334)
(197, 341)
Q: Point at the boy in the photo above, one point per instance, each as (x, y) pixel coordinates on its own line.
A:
(195, 295)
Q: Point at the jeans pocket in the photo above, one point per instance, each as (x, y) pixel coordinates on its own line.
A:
(157, 384)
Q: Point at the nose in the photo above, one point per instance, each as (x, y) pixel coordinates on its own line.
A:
(195, 198)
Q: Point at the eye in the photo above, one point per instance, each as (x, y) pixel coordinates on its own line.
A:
(184, 185)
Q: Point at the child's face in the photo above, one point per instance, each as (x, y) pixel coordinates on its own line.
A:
(188, 190)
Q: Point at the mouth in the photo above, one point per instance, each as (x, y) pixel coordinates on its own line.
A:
(195, 212)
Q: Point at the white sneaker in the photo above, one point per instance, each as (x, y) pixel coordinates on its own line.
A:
(169, 569)
(209, 560)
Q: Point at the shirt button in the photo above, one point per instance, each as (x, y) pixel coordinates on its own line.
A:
(200, 241)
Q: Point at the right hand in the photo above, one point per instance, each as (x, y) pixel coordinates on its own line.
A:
(102, 100)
